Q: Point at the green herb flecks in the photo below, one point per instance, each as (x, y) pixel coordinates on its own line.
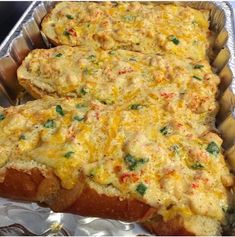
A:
(198, 66)
(49, 124)
(87, 71)
(79, 106)
(173, 39)
(66, 33)
(83, 91)
(129, 18)
(58, 55)
(59, 110)
(141, 189)
(213, 149)
(197, 166)
(91, 58)
(69, 17)
(175, 148)
(132, 162)
(22, 137)
(2, 117)
(197, 78)
(165, 130)
(68, 154)
(78, 118)
(136, 106)
(112, 52)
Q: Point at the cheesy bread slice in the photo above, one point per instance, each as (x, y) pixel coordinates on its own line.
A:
(114, 161)
(142, 27)
(121, 76)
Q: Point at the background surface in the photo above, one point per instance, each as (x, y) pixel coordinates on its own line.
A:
(10, 12)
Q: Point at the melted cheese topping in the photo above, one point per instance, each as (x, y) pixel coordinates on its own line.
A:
(143, 125)
(145, 153)
(121, 76)
(148, 27)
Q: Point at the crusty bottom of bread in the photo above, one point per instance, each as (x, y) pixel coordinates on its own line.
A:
(45, 188)
(172, 227)
(34, 186)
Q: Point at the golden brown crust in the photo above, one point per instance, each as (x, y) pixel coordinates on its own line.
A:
(172, 227)
(82, 200)
(90, 203)
(30, 185)
(45, 188)
(44, 29)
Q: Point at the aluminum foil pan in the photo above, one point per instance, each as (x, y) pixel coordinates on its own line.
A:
(20, 218)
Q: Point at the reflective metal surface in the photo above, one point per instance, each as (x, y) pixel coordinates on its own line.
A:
(19, 218)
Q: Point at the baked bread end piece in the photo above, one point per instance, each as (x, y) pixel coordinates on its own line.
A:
(194, 225)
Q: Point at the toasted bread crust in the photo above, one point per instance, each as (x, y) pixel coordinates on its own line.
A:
(80, 200)
(90, 203)
(44, 25)
(172, 227)
(33, 185)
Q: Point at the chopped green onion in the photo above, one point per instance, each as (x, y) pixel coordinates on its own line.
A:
(103, 102)
(130, 161)
(142, 161)
(224, 209)
(175, 148)
(173, 39)
(66, 33)
(49, 124)
(58, 55)
(197, 78)
(59, 110)
(78, 118)
(69, 17)
(68, 154)
(79, 106)
(141, 189)
(198, 66)
(197, 166)
(136, 106)
(92, 58)
(112, 52)
(22, 137)
(83, 91)
(87, 71)
(213, 148)
(129, 18)
(2, 116)
(165, 130)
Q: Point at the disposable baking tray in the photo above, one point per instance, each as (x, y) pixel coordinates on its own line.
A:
(20, 218)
